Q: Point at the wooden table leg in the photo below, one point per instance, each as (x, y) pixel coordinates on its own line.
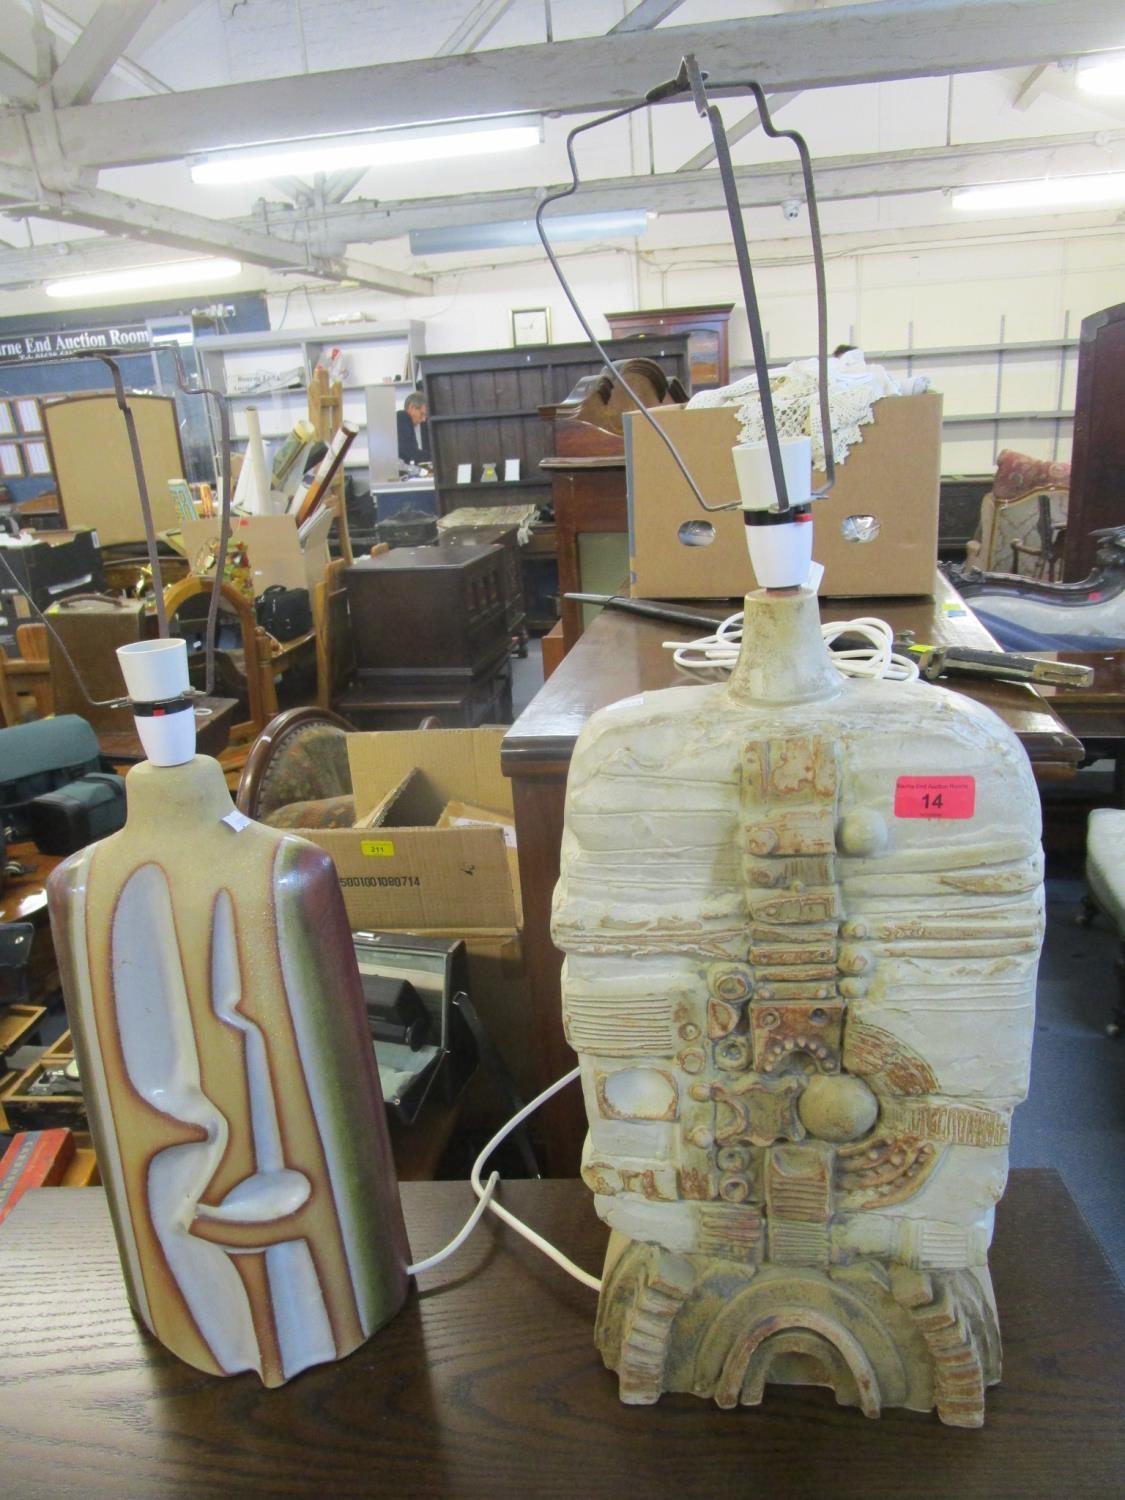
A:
(539, 822)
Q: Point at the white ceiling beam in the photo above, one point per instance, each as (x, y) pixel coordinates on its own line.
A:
(16, 86)
(102, 43)
(114, 214)
(337, 185)
(475, 27)
(795, 249)
(46, 59)
(808, 49)
(161, 21)
(1031, 86)
(69, 30)
(838, 179)
(645, 16)
(27, 267)
(737, 132)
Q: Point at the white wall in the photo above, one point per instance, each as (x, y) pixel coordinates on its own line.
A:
(921, 296)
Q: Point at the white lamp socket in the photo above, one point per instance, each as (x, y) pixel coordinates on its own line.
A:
(168, 739)
(781, 555)
(156, 672)
(755, 473)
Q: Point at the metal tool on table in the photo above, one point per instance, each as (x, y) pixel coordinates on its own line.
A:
(651, 609)
(999, 666)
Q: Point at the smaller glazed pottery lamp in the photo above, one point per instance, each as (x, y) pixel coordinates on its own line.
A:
(212, 991)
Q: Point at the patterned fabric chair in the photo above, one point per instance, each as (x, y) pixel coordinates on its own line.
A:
(1023, 517)
(296, 775)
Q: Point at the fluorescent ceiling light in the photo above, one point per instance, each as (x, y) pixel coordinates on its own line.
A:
(1102, 75)
(380, 148)
(139, 278)
(507, 234)
(1045, 192)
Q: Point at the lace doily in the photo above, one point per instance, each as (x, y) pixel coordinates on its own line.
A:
(853, 388)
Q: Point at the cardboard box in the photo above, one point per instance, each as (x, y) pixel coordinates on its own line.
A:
(273, 547)
(894, 475)
(407, 874)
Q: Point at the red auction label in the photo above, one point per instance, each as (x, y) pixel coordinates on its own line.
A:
(935, 796)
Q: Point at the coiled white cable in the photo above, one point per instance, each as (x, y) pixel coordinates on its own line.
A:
(712, 657)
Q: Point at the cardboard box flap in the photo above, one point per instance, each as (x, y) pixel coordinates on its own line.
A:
(459, 764)
(893, 474)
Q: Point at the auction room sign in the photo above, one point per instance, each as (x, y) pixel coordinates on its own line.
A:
(16, 348)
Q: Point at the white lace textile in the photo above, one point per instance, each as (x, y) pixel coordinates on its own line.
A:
(853, 388)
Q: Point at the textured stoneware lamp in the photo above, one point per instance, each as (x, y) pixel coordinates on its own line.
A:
(230, 1082)
(802, 916)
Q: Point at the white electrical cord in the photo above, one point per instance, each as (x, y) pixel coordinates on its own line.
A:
(518, 1225)
(712, 657)
(485, 1191)
(462, 1234)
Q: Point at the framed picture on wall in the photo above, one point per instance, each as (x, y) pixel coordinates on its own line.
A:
(29, 415)
(38, 459)
(530, 325)
(11, 461)
(7, 421)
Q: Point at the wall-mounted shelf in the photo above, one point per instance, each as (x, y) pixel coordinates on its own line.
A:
(951, 419)
(1055, 350)
(374, 345)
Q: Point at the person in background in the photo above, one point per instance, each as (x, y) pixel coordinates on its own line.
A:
(413, 431)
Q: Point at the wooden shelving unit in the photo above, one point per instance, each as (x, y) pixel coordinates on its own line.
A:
(484, 408)
(383, 353)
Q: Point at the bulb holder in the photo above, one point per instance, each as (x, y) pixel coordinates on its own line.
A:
(780, 546)
(166, 730)
(156, 679)
(754, 472)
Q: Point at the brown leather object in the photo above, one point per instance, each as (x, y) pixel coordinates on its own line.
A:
(590, 421)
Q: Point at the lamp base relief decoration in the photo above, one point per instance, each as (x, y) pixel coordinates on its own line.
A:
(213, 995)
(802, 916)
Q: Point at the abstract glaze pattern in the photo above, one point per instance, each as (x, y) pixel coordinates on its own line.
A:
(230, 1082)
(803, 1022)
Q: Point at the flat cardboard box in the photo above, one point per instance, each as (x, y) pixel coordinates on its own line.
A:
(407, 874)
(273, 547)
(894, 474)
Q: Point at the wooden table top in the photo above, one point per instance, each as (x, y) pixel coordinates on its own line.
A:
(24, 898)
(488, 1383)
(621, 654)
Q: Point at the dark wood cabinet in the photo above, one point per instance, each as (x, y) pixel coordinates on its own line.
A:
(590, 499)
(430, 626)
(1097, 474)
(428, 611)
(484, 409)
(708, 336)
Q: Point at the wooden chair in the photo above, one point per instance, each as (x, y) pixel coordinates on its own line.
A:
(29, 673)
(335, 652)
(257, 670)
(297, 773)
(300, 761)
